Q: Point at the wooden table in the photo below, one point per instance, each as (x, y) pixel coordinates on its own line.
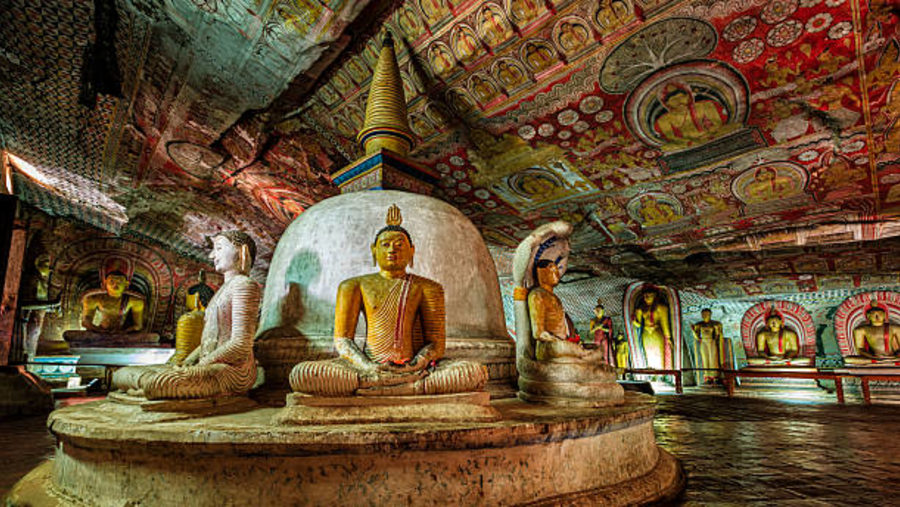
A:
(650, 371)
(813, 374)
(866, 375)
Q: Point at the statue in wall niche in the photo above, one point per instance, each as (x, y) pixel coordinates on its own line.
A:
(877, 340)
(405, 332)
(651, 321)
(602, 329)
(112, 313)
(223, 364)
(776, 341)
(709, 336)
(621, 351)
(189, 329)
(554, 367)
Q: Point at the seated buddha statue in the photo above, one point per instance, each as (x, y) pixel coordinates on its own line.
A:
(877, 341)
(554, 366)
(777, 343)
(405, 332)
(223, 364)
(112, 315)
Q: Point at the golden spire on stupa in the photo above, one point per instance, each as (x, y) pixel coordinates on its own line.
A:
(386, 125)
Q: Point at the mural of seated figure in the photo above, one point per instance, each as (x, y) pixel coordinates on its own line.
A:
(404, 332)
(112, 315)
(777, 344)
(223, 364)
(877, 341)
(554, 367)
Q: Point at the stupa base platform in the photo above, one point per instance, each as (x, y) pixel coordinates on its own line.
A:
(532, 455)
(462, 407)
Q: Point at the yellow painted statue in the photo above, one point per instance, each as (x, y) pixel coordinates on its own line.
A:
(709, 336)
(223, 364)
(189, 329)
(651, 321)
(405, 332)
(776, 341)
(876, 341)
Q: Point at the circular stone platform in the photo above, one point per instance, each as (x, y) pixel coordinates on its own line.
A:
(108, 455)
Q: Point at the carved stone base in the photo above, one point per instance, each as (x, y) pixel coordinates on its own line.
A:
(533, 455)
(863, 362)
(92, 339)
(199, 407)
(462, 407)
(764, 361)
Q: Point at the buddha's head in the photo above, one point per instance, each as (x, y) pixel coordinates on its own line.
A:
(598, 310)
(547, 273)
(393, 249)
(774, 322)
(115, 283)
(198, 295)
(876, 315)
(649, 297)
(42, 265)
(233, 251)
(706, 314)
(676, 96)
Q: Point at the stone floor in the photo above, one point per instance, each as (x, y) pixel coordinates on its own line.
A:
(740, 451)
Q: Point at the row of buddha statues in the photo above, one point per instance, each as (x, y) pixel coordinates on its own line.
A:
(404, 348)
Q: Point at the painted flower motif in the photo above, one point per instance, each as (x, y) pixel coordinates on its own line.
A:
(482, 193)
(564, 134)
(590, 104)
(853, 146)
(526, 132)
(443, 168)
(748, 50)
(460, 199)
(739, 29)
(834, 3)
(459, 175)
(861, 161)
(818, 22)
(808, 156)
(546, 129)
(777, 10)
(784, 33)
(604, 116)
(566, 144)
(464, 187)
(567, 117)
(809, 3)
(490, 204)
(457, 161)
(580, 126)
(840, 30)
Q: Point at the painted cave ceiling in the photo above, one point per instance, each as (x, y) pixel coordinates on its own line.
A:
(735, 147)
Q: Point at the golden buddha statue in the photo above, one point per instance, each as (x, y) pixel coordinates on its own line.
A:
(877, 341)
(651, 321)
(405, 332)
(776, 343)
(189, 328)
(223, 364)
(34, 305)
(554, 367)
(708, 335)
(621, 351)
(113, 313)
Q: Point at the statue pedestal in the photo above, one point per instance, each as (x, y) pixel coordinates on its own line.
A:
(78, 339)
(462, 407)
(756, 362)
(179, 409)
(533, 454)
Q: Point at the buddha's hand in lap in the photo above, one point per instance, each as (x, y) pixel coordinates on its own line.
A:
(547, 337)
(387, 378)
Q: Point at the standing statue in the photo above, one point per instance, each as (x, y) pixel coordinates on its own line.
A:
(113, 313)
(776, 341)
(553, 368)
(189, 329)
(405, 332)
(621, 351)
(878, 340)
(35, 304)
(602, 329)
(708, 335)
(223, 364)
(651, 321)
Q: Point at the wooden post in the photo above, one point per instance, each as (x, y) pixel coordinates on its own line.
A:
(12, 253)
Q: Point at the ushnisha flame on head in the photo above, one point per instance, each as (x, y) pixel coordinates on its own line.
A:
(393, 221)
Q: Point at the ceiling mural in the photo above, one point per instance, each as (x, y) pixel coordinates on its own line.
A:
(710, 143)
